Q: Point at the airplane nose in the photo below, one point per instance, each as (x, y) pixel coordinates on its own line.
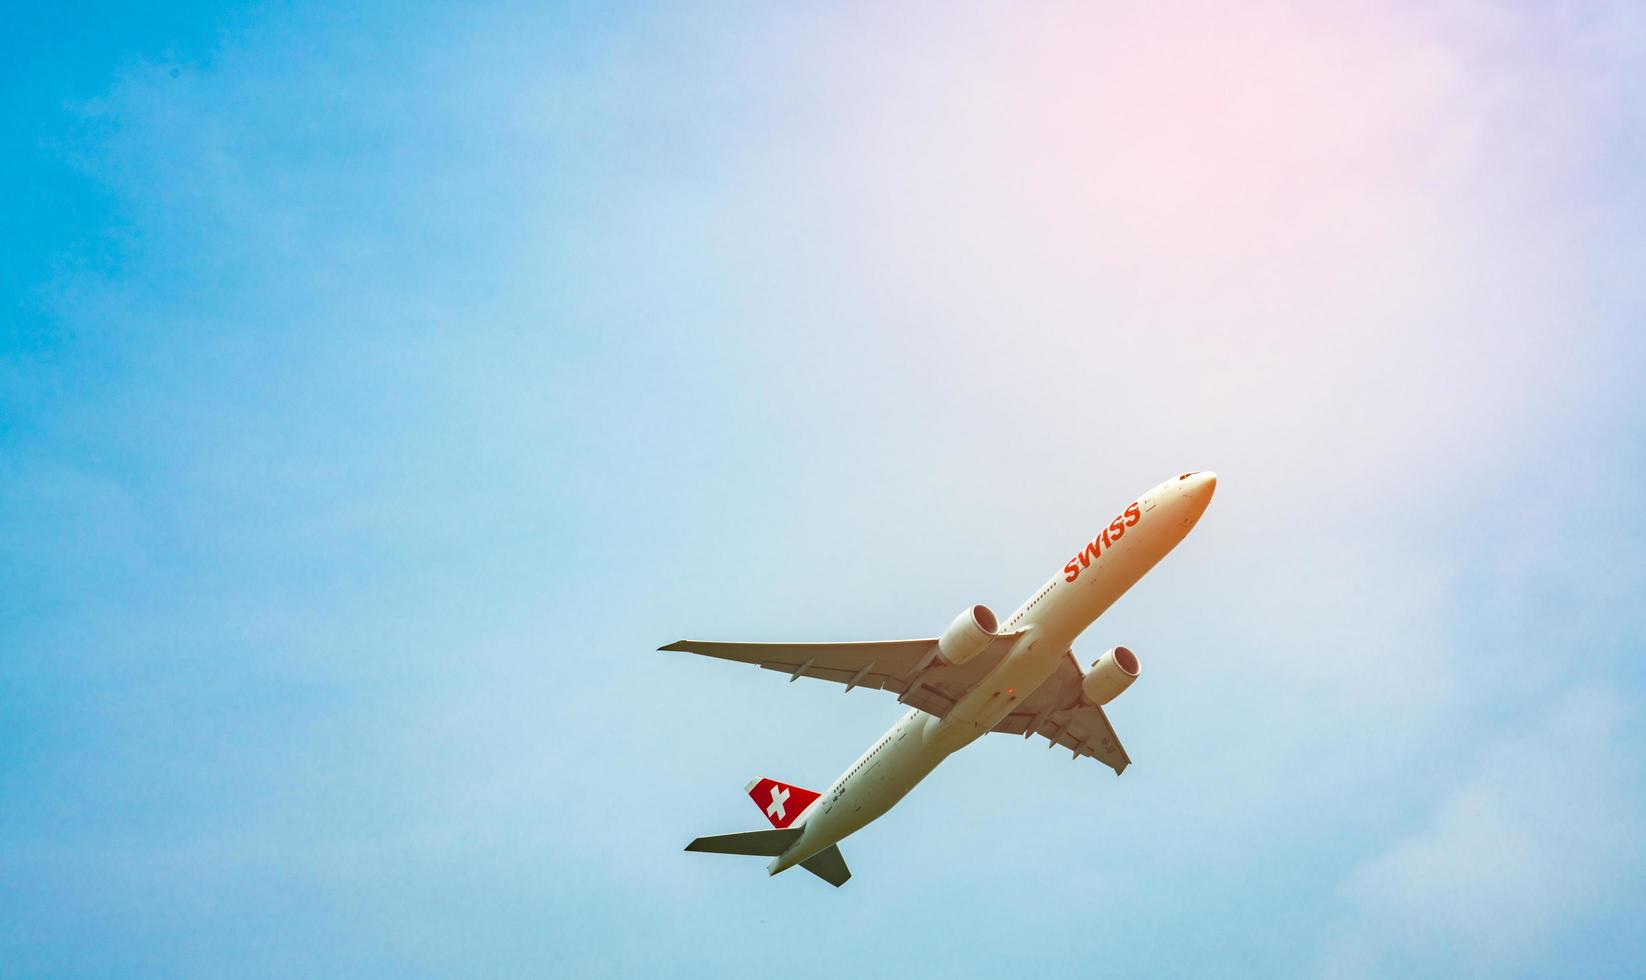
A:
(1194, 490)
(1198, 488)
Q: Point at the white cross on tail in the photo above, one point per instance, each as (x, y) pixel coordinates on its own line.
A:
(779, 797)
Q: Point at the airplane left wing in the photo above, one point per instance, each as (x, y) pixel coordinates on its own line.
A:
(908, 668)
(1056, 711)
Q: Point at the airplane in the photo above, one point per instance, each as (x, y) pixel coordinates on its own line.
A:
(1019, 677)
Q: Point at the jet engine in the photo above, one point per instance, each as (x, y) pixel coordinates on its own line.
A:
(1109, 675)
(967, 636)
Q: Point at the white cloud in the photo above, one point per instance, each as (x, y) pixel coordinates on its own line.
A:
(1540, 839)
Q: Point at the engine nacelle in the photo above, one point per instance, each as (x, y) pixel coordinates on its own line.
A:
(966, 637)
(1110, 675)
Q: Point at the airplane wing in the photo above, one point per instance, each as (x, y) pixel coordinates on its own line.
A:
(1056, 711)
(908, 668)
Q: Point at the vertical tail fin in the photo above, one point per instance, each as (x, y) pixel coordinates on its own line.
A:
(780, 802)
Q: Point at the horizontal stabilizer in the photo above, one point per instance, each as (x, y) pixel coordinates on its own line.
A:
(760, 843)
(829, 865)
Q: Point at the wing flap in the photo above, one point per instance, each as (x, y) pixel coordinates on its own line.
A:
(1084, 730)
(1056, 713)
(891, 653)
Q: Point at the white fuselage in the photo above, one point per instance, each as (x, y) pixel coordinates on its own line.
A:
(1081, 591)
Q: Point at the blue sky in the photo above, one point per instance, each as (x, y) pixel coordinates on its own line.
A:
(379, 388)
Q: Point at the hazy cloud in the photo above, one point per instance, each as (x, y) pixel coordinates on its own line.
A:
(448, 363)
(1539, 840)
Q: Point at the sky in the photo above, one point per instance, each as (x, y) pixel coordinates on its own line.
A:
(380, 386)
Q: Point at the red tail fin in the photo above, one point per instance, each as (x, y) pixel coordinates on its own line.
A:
(781, 802)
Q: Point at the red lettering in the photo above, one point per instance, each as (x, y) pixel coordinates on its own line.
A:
(1104, 541)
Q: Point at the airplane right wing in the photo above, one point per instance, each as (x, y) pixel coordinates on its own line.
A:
(1057, 712)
